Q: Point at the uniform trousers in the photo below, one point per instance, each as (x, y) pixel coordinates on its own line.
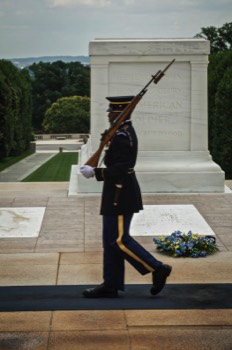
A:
(119, 246)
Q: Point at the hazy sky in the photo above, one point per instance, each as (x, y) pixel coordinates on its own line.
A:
(30, 28)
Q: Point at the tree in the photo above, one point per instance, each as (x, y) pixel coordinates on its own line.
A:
(221, 134)
(219, 92)
(78, 80)
(220, 38)
(218, 64)
(15, 109)
(51, 81)
(219, 73)
(68, 115)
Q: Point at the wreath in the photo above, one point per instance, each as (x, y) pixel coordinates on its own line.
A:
(180, 244)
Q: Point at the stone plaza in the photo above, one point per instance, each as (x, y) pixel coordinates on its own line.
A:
(68, 251)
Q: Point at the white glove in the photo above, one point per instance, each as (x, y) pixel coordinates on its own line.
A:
(87, 171)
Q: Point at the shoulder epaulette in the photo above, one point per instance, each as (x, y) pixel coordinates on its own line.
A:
(125, 132)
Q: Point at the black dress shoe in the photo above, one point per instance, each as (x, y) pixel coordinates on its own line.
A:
(159, 278)
(101, 291)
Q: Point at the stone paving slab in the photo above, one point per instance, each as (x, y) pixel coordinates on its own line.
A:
(139, 318)
(25, 321)
(21, 222)
(208, 338)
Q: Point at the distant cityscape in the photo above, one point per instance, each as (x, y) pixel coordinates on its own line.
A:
(27, 61)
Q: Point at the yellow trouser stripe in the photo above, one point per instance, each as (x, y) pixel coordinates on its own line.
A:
(125, 249)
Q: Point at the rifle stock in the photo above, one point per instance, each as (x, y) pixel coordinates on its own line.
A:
(94, 159)
(108, 135)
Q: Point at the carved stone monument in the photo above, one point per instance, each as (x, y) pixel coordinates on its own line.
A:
(171, 120)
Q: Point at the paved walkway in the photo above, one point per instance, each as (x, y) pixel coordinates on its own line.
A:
(68, 251)
(20, 170)
(45, 150)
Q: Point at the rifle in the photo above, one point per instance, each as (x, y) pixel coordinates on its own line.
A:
(109, 133)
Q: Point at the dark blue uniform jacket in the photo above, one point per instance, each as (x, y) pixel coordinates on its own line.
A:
(120, 159)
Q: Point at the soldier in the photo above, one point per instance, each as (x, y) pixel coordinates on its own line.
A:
(121, 198)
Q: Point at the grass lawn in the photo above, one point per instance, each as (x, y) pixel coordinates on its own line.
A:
(56, 169)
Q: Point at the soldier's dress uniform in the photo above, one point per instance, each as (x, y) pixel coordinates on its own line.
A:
(121, 198)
